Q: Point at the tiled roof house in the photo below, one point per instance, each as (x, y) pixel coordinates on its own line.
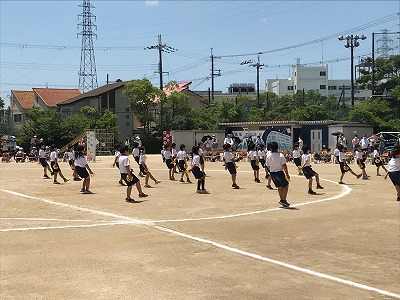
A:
(46, 98)
(195, 101)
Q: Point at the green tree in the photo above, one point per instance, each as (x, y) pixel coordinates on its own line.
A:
(144, 97)
(375, 112)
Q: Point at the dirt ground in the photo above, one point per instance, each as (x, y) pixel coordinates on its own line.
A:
(56, 243)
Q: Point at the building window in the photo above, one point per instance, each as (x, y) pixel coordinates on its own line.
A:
(322, 87)
(332, 87)
(127, 123)
(18, 118)
(322, 73)
(126, 116)
(290, 87)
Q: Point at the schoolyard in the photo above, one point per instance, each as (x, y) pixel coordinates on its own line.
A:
(56, 243)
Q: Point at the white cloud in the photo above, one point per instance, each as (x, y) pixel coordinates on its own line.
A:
(152, 2)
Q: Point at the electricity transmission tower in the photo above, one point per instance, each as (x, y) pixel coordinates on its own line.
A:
(385, 44)
(87, 72)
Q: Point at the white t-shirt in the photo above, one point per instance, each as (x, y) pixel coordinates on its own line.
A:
(135, 151)
(53, 155)
(142, 159)
(42, 154)
(261, 154)
(252, 155)
(71, 155)
(207, 143)
(342, 156)
(296, 153)
(196, 160)
(394, 165)
(167, 154)
(124, 162)
(358, 154)
(117, 153)
(228, 156)
(364, 143)
(275, 160)
(182, 155)
(174, 153)
(306, 159)
(81, 162)
(336, 152)
(375, 153)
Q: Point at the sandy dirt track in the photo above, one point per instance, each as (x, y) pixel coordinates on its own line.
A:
(56, 243)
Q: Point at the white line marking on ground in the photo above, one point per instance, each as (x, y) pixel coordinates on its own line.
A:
(198, 239)
(41, 219)
(346, 191)
(98, 212)
(280, 263)
(64, 227)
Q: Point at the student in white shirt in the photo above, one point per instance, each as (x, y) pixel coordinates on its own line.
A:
(276, 163)
(169, 162)
(252, 155)
(55, 166)
(344, 167)
(308, 172)
(71, 158)
(117, 154)
(377, 160)
(182, 162)
(296, 153)
(127, 174)
(230, 164)
(135, 153)
(43, 161)
(81, 168)
(197, 173)
(394, 170)
(144, 168)
(360, 161)
(268, 176)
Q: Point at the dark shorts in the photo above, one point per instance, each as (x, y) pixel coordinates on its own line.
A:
(262, 162)
(395, 177)
(279, 179)
(82, 172)
(71, 164)
(55, 167)
(197, 173)
(231, 168)
(142, 169)
(308, 172)
(297, 161)
(378, 162)
(254, 165)
(130, 182)
(43, 162)
(360, 163)
(136, 158)
(169, 163)
(344, 168)
(182, 166)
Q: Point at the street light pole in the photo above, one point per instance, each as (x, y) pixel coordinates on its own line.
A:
(258, 67)
(352, 42)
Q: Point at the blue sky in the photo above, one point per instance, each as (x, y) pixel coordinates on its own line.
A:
(39, 45)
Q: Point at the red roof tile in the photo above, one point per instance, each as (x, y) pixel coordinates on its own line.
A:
(25, 98)
(51, 97)
(180, 86)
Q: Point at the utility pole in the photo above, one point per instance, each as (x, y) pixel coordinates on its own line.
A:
(213, 74)
(161, 48)
(258, 66)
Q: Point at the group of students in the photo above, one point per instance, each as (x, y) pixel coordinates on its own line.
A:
(270, 159)
(178, 161)
(77, 161)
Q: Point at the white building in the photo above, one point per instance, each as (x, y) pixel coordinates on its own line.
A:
(314, 78)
